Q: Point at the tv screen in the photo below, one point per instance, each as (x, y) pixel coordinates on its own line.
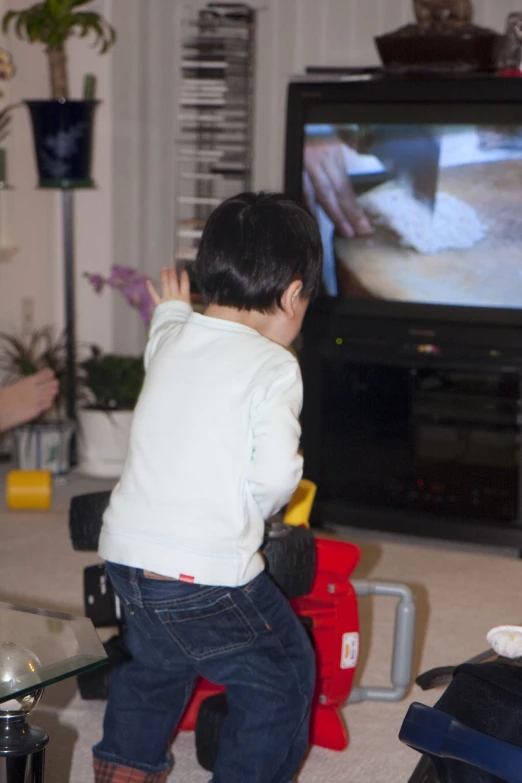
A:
(417, 201)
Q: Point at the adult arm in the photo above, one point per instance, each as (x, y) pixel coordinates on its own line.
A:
(327, 183)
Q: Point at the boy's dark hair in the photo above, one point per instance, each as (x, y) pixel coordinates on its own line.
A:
(253, 246)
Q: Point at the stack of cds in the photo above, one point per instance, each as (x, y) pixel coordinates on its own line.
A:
(215, 116)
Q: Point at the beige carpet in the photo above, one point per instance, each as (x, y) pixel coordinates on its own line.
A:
(461, 592)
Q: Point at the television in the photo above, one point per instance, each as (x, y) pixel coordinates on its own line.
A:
(416, 183)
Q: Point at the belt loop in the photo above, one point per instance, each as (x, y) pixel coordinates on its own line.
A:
(134, 580)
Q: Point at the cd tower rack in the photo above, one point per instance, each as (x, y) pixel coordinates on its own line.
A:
(215, 117)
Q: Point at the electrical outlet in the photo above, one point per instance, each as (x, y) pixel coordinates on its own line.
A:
(27, 315)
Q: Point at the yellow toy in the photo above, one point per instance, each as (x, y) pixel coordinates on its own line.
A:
(29, 490)
(298, 510)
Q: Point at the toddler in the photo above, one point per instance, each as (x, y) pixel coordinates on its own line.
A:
(213, 453)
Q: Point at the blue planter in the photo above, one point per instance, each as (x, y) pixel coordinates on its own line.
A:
(63, 140)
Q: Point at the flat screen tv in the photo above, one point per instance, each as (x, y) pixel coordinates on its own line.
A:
(417, 187)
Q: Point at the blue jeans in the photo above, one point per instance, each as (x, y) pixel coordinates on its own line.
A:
(245, 638)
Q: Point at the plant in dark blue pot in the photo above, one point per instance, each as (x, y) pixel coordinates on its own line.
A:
(63, 128)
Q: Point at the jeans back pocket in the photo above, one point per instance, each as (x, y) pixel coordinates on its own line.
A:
(208, 627)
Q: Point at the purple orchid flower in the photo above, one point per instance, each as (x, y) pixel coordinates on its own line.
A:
(131, 284)
(97, 281)
(121, 276)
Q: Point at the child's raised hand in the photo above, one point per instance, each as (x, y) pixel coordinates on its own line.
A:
(173, 288)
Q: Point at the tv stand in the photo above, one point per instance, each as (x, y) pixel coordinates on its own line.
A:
(417, 433)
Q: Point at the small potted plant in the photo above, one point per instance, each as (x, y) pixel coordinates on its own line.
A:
(62, 128)
(43, 444)
(111, 384)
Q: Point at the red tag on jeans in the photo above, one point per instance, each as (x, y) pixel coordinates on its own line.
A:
(185, 578)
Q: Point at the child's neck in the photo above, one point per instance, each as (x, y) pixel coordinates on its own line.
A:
(261, 322)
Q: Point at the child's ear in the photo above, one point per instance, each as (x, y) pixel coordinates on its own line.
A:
(290, 297)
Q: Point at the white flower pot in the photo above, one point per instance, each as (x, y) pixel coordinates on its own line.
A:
(103, 438)
(44, 446)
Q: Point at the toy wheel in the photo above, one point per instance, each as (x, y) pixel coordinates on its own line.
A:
(95, 684)
(425, 772)
(291, 558)
(210, 720)
(85, 520)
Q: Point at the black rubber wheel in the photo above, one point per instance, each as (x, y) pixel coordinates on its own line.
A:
(85, 520)
(210, 720)
(291, 558)
(95, 684)
(425, 772)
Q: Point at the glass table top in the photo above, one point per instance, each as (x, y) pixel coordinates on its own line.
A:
(39, 647)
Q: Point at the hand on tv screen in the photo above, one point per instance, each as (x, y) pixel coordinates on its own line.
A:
(326, 183)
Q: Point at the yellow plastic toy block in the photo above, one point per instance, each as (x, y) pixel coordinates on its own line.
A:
(29, 490)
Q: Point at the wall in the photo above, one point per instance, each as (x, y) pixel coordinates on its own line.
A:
(29, 273)
(144, 89)
(35, 272)
(130, 218)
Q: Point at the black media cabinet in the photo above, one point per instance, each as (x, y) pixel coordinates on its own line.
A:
(417, 431)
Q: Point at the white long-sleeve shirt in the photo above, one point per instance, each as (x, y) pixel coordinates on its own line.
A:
(213, 451)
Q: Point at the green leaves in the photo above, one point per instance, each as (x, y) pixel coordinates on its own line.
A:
(21, 356)
(89, 22)
(52, 22)
(5, 121)
(57, 8)
(112, 382)
(29, 25)
(8, 18)
(106, 382)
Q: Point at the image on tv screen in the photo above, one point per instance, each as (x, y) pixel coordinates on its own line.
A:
(418, 213)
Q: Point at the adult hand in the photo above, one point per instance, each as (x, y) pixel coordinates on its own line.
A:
(326, 182)
(24, 400)
(174, 288)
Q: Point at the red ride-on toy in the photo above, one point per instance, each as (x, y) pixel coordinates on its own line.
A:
(314, 572)
(330, 613)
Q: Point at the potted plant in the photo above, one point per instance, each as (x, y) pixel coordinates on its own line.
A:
(62, 128)
(43, 444)
(111, 384)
